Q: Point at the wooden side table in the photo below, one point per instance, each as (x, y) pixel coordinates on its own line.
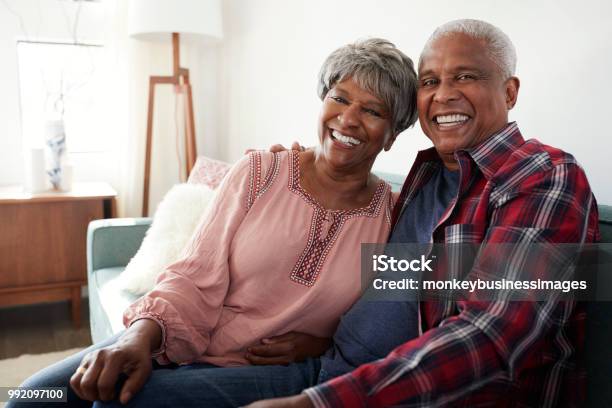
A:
(43, 242)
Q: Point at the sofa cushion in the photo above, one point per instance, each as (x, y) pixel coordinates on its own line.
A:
(209, 172)
(112, 299)
(173, 225)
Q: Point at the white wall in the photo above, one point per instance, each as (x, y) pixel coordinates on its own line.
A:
(273, 50)
(258, 86)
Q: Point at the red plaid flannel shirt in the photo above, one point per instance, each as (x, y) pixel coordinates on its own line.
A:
(498, 353)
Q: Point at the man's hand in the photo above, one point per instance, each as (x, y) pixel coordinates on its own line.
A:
(277, 148)
(297, 401)
(287, 348)
(280, 148)
(97, 376)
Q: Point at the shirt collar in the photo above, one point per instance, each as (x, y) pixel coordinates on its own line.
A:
(493, 152)
(489, 155)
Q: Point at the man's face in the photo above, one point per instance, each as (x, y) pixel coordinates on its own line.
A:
(462, 98)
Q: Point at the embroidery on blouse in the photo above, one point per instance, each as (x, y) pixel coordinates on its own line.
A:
(270, 175)
(254, 178)
(320, 242)
(389, 209)
(161, 351)
(257, 187)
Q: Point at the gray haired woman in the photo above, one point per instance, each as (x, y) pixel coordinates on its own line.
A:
(246, 311)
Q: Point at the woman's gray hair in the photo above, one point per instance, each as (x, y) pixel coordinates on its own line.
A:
(381, 69)
(501, 49)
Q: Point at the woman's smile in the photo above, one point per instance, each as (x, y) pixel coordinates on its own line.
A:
(344, 139)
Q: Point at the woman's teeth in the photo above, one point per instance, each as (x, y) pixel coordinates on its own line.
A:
(347, 140)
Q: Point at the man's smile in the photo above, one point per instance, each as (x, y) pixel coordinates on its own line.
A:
(448, 121)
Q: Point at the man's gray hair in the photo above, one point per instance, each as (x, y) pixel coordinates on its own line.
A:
(381, 69)
(501, 49)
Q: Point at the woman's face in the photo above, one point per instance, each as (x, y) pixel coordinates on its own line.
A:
(354, 126)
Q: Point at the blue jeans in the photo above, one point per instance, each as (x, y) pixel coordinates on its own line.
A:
(201, 385)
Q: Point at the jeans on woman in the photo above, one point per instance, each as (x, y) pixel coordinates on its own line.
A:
(201, 385)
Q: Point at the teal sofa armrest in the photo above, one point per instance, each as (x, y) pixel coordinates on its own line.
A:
(113, 242)
(605, 222)
(395, 180)
(599, 329)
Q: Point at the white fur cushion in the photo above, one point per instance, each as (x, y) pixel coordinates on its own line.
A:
(173, 224)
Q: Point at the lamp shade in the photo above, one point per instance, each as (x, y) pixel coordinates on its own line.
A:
(154, 20)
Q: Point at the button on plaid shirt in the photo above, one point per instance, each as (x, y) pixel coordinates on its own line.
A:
(496, 353)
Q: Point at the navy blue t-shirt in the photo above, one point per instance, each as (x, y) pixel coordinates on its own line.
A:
(421, 215)
(371, 330)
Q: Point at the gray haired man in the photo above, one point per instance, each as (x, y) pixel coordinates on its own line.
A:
(480, 183)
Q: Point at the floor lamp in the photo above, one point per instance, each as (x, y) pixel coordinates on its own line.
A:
(155, 20)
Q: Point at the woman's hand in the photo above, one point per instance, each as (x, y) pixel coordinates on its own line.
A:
(287, 348)
(97, 376)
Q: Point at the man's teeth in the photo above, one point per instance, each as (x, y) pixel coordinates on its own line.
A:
(449, 120)
(345, 139)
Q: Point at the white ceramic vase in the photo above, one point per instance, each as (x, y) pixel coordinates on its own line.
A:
(55, 147)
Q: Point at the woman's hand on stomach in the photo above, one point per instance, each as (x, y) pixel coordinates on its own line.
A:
(287, 348)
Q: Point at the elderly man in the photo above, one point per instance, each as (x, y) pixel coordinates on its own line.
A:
(480, 183)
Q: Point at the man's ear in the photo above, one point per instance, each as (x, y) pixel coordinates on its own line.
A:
(512, 88)
(390, 142)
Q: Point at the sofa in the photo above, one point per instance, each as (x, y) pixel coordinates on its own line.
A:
(111, 243)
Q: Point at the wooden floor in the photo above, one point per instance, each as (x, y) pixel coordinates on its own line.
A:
(41, 328)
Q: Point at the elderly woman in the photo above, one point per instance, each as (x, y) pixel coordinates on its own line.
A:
(274, 263)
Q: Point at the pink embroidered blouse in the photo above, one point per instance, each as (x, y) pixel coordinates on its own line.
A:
(266, 259)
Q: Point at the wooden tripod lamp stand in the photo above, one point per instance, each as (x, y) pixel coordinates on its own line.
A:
(155, 20)
(180, 80)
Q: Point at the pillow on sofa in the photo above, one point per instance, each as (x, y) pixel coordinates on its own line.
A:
(173, 224)
(208, 171)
